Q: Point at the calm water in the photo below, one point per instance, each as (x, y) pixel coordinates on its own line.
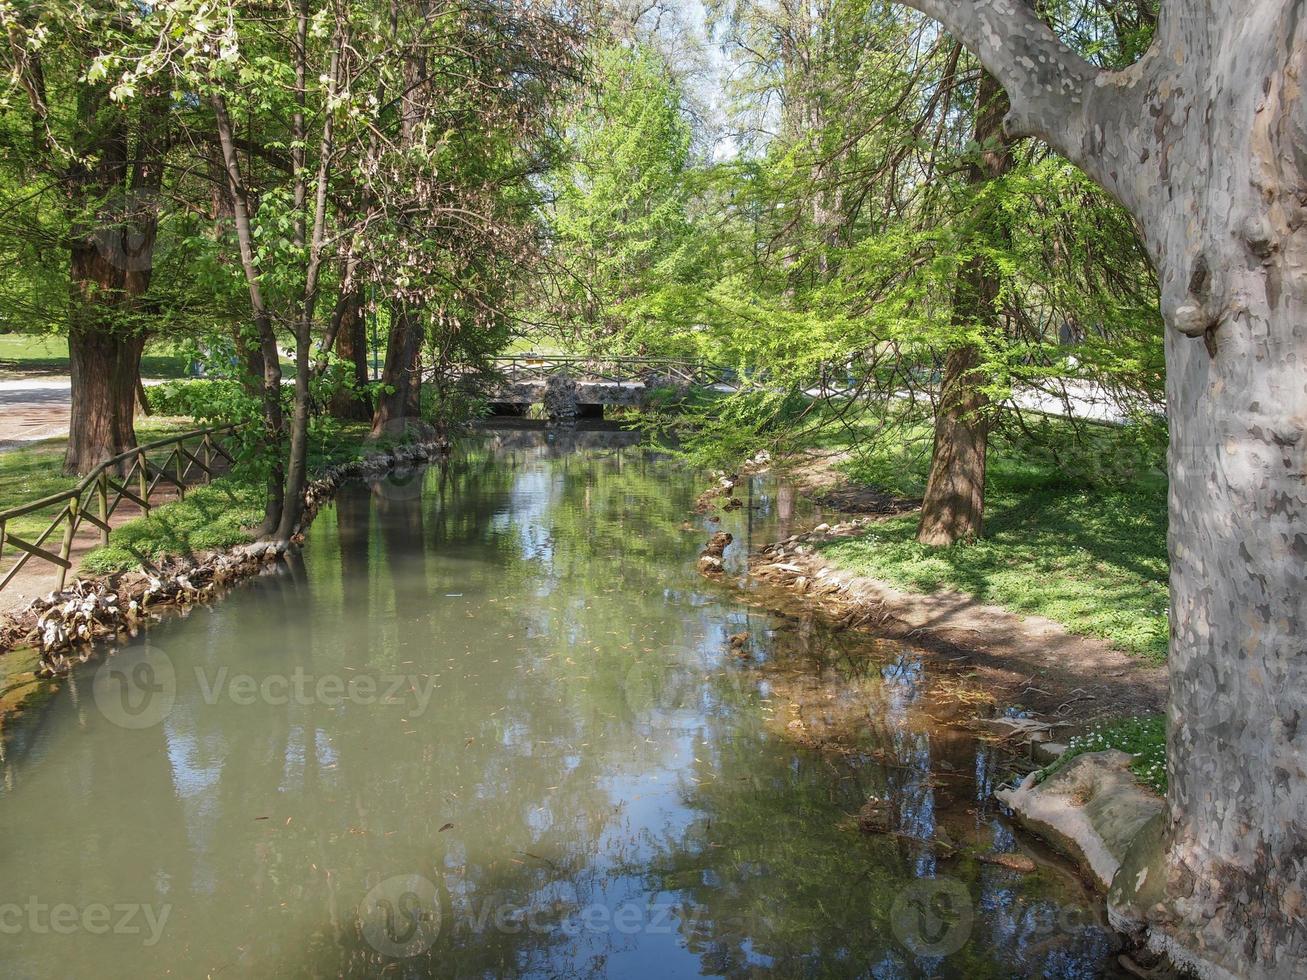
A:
(491, 725)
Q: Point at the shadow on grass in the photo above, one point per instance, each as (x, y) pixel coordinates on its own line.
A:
(1094, 561)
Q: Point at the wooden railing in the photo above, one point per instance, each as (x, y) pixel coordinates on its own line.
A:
(612, 370)
(132, 476)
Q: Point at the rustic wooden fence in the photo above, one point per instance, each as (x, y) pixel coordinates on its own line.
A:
(133, 476)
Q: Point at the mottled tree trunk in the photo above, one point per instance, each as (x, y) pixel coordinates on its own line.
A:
(1205, 142)
(953, 508)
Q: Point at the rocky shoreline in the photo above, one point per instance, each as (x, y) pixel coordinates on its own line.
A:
(62, 626)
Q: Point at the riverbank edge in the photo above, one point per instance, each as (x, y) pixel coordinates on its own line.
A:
(40, 644)
(1094, 811)
(1033, 663)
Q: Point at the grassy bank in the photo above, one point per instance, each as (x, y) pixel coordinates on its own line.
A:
(1144, 738)
(220, 515)
(1064, 537)
(34, 471)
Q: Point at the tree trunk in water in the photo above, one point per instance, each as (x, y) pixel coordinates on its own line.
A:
(394, 407)
(953, 508)
(352, 347)
(1204, 141)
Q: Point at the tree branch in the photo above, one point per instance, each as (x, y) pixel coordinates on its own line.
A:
(1056, 95)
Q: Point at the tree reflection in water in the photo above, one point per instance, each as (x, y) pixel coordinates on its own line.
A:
(597, 786)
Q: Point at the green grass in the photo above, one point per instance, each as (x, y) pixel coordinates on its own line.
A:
(211, 517)
(48, 354)
(1144, 738)
(31, 472)
(218, 516)
(1086, 552)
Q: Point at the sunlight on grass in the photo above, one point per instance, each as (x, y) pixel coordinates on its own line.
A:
(1087, 554)
(1143, 738)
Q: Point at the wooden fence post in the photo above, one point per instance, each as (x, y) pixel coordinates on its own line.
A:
(66, 549)
(143, 481)
(102, 492)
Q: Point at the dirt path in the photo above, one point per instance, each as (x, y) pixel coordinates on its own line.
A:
(32, 409)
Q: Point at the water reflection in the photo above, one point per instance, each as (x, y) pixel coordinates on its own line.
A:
(493, 719)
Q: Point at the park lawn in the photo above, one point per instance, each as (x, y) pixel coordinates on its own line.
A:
(34, 471)
(1087, 553)
(48, 354)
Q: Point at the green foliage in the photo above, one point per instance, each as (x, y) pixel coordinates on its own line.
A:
(619, 204)
(1144, 738)
(207, 400)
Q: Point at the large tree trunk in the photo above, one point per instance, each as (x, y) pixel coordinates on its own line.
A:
(351, 404)
(953, 508)
(1231, 245)
(1205, 142)
(113, 197)
(104, 368)
(399, 376)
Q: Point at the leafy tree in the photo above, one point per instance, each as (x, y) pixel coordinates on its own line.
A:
(94, 169)
(619, 205)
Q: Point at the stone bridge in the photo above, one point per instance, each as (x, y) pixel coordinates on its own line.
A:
(573, 388)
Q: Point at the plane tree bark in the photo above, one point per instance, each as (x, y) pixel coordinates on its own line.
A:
(1204, 142)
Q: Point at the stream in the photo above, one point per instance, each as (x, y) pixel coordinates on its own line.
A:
(492, 722)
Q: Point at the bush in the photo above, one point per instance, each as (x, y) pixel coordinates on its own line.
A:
(207, 400)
